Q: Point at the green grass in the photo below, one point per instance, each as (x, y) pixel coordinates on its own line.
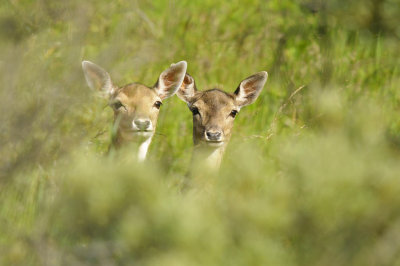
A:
(310, 177)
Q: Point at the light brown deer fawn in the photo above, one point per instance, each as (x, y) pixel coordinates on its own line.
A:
(214, 112)
(135, 106)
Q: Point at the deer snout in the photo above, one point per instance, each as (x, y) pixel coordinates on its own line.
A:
(213, 135)
(142, 124)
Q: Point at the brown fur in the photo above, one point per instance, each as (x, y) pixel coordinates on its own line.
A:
(139, 102)
(214, 113)
(214, 107)
(136, 106)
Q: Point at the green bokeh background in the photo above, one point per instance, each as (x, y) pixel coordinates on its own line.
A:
(311, 176)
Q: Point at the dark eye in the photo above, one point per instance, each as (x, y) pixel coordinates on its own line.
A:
(233, 113)
(116, 105)
(194, 110)
(157, 104)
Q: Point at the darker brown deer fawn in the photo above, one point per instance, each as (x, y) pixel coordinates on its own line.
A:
(214, 112)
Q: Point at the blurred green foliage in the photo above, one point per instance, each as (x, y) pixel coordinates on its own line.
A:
(310, 176)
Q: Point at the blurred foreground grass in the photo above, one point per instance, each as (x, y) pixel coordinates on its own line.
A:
(311, 176)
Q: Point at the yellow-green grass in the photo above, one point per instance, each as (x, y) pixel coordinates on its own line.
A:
(311, 176)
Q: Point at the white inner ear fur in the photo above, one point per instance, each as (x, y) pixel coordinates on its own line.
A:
(171, 79)
(98, 79)
(250, 88)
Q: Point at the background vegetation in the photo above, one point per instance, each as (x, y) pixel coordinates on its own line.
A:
(311, 176)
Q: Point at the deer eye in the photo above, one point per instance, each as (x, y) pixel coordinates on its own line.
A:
(157, 104)
(117, 104)
(194, 110)
(233, 113)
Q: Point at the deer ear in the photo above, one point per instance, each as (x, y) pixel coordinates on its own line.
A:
(250, 88)
(97, 78)
(187, 89)
(170, 80)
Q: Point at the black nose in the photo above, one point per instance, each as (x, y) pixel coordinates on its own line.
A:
(142, 124)
(213, 135)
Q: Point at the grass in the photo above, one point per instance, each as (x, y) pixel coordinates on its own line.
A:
(310, 176)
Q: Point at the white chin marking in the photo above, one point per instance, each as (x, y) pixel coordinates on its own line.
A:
(143, 148)
(143, 133)
(214, 159)
(214, 144)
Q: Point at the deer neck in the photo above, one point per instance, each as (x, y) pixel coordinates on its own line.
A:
(209, 156)
(139, 141)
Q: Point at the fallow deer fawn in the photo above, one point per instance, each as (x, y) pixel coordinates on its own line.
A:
(214, 112)
(135, 106)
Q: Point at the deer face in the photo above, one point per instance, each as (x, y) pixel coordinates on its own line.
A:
(214, 111)
(135, 106)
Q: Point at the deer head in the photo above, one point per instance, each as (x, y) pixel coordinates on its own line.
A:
(214, 111)
(136, 106)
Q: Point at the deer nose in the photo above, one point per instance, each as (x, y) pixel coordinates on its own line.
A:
(142, 124)
(213, 135)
